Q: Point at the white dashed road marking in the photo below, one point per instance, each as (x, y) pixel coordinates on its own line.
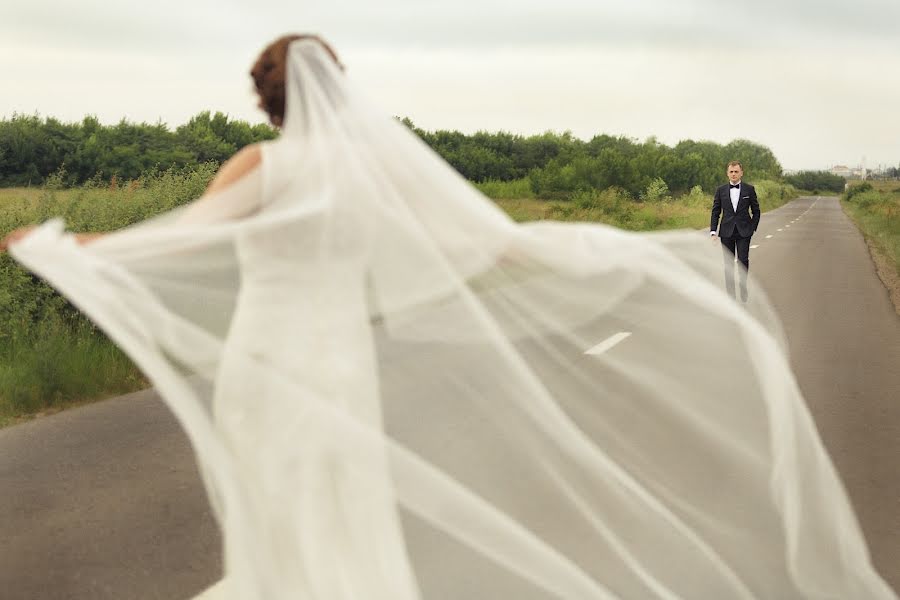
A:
(608, 343)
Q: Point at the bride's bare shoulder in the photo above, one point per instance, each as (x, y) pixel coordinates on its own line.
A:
(242, 163)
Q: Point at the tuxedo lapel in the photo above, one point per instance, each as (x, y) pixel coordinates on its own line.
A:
(729, 207)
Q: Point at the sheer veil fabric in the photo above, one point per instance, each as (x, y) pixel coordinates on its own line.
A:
(394, 391)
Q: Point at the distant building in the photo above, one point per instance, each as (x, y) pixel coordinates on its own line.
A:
(842, 170)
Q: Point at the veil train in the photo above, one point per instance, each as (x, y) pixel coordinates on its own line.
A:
(394, 391)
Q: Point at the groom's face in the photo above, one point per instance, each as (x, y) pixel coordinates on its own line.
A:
(735, 173)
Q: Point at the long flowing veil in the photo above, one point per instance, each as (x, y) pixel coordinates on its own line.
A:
(394, 391)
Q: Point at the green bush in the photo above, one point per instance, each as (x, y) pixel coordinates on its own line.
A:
(869, 199)
(515, 189)
(49, 353)
(856, 190)
(877, 214)
(613, 205)
(816, 181)
(772, 194)
(697, 198)
(657, 191)
(60, 361)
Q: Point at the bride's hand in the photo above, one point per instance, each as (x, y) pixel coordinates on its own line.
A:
(14, 236)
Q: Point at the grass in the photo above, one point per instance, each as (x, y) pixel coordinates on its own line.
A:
(51, 357)
(615, 207)
(518, 188)
(27, 196)
(875, 209)
(60, 366)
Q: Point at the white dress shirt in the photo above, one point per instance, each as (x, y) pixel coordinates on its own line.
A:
(735, 195)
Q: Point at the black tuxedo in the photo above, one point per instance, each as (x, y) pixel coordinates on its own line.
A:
(739, 219)
(735, 230)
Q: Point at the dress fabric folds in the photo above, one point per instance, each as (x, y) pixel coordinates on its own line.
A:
(395, 392)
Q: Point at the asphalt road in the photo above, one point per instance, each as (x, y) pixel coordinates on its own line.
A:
(844, 338)
(105, 502)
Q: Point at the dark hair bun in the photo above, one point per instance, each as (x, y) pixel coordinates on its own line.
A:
(269, 70)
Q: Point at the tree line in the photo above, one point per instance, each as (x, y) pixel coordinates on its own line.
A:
(32, 149)
(556, 165)
(551, 165)
(817, 181)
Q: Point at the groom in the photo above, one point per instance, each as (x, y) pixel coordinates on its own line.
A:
(735, 201)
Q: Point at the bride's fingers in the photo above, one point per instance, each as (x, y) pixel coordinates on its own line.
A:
(14, 237)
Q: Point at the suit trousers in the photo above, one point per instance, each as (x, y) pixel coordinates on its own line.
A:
(740, 246)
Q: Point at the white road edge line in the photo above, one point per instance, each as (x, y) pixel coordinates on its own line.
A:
(608, 343)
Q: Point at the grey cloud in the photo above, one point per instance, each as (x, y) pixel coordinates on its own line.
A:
(872, 20)
(163, 26)
(645, 22)
(169, 26)
(496, 23)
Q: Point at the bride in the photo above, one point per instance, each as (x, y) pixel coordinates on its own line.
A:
(393, 391)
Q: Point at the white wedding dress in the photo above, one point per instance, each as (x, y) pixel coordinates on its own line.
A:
(395, 392)
(316, 545)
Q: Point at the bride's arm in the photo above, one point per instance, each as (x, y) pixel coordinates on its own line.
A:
(215, 204)
(14, 236)
(17, 234)
(246, 159)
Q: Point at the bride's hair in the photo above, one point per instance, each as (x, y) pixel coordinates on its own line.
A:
(268, 73)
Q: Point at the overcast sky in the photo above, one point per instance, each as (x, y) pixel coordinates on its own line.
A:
(815, 80)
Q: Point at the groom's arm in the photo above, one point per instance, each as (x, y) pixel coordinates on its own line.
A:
(754, 208)
(716, 211)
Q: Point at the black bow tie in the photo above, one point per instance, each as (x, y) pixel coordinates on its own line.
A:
(735, 186)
